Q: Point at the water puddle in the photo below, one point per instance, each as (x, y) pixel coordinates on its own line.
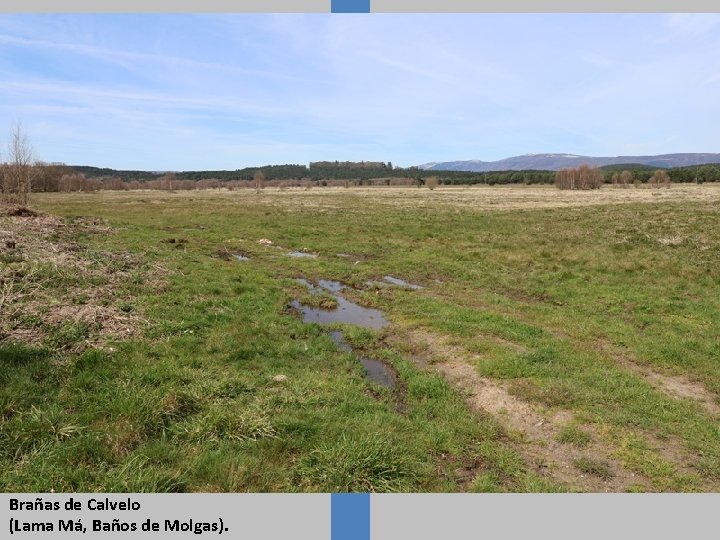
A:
(346, 311)
(375, 370)
(302, 254)
(390, 281)
(350, 313)
(227, 255)
(332, 286)
(401, 283)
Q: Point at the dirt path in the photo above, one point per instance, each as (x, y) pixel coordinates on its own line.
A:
(538, 430)
(675, 386)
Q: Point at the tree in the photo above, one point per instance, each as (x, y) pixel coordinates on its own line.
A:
(626, 178)
(432, 182)
(582, 177)
(259, 180)
(19, 171)
(660, 178)
(166, 182)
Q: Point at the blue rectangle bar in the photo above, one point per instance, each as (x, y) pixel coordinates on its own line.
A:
(350, 516)
(350, 6)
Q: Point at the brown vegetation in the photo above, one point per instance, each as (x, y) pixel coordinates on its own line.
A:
(623, 179)
(582, 177)
(432, 182)
(259, 180)
(17, 174)
(57, 293)
(660, 178)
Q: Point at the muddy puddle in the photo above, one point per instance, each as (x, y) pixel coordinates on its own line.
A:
(301, 255)
(332, 286)
(401, 283)
(375, 370)
(346, 312)
(390, 281)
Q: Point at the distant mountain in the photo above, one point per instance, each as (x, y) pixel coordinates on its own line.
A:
(553, 162)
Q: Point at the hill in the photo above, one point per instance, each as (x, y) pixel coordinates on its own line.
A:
(554, 162)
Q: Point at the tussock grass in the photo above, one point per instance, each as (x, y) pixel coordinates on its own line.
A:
(575, 436)
(350, 464)
(597, 468)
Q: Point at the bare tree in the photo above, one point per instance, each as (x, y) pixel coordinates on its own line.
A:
(167, 181)
(626, 178)
(432, 182)
(259, 180)
(582, 177)
(19, 171)
(660, 178)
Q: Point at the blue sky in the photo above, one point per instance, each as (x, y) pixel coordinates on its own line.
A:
(225, 91)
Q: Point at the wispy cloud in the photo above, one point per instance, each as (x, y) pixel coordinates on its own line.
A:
(130, 59)
(182, 92)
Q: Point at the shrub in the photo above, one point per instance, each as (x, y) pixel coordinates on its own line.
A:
(660, 178)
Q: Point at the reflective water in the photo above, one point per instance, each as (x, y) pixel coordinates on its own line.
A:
(332, 286)
(346, 311)
(401, 282)
(375, 370)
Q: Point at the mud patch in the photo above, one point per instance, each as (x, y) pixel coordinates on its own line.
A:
(228, 255)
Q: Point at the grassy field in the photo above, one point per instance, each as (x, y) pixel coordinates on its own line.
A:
(562, 341)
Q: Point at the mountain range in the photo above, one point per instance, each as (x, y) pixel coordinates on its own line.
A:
(554, 162)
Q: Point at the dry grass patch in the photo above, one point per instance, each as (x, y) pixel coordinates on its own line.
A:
(58, 293)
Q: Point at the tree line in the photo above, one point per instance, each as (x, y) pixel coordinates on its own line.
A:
(20, 174)
(56, 177)
(587, 177)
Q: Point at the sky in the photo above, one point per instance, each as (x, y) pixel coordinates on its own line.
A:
(227, 91)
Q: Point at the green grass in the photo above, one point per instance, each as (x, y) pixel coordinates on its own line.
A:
(597, 468)
(575, 436)
(546, 297)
